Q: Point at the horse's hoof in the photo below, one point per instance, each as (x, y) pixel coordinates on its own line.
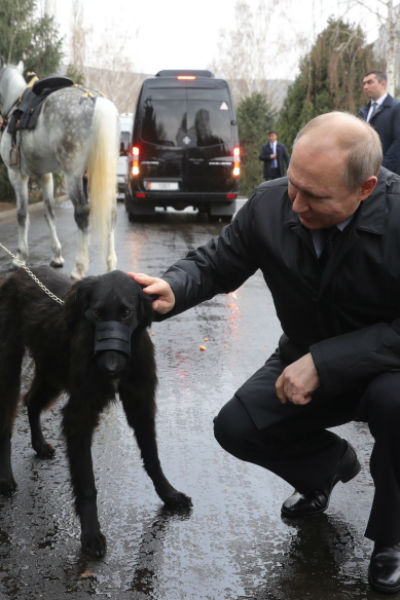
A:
(76, 276)
(57, 263)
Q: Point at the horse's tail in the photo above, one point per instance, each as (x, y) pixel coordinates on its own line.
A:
(102, 166)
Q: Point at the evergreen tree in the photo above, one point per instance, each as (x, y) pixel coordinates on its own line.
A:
(255, 118)
(35, 41)
(330, 78)
(24, 36)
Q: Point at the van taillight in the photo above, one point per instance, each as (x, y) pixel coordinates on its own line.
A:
(187, 77)
(135, 153)
(236, 161)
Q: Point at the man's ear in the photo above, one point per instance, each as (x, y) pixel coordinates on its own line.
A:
(368, 187)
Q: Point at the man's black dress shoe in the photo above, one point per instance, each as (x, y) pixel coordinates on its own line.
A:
(311, 503)
(384, 569)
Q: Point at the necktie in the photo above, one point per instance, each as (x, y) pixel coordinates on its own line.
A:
(329, 237)
(374, 109)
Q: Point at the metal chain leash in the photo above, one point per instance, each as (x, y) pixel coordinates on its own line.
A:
(32, 275)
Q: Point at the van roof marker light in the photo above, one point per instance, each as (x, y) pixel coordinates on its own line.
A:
(187, 77)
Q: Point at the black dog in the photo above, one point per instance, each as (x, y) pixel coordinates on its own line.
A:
(90, 346)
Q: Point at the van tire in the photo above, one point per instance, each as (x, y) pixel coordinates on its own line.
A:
(138, 210)
(223, 212)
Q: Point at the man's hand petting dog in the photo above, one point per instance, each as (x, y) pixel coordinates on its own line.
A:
(154, 286)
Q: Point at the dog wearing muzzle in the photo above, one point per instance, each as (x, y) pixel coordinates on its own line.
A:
(91, 341)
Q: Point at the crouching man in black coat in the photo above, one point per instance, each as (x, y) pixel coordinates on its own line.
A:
(327, 240)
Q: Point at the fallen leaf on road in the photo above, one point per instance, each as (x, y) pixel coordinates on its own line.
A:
(86, 574)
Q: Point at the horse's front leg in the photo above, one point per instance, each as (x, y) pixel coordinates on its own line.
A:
(47, 186)
(20, 186)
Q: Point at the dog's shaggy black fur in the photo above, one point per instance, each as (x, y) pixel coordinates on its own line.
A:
(62, 340)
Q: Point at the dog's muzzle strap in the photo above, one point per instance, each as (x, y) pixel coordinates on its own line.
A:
(112, 335)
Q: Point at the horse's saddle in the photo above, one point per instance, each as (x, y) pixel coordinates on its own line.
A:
(27, 109)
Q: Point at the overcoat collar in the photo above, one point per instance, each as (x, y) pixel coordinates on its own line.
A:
(387, 103)
(369, 217)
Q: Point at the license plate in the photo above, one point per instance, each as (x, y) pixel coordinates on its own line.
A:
(162, 185)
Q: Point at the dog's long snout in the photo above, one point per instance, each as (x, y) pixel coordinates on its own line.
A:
(111, 361)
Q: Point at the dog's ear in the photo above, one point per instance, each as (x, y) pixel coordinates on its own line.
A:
(145, 310)
(77, 299)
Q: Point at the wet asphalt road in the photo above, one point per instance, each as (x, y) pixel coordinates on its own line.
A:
(234, 544)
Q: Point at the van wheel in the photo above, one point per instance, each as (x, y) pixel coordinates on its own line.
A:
(139, 212)
(222, 212)
(138, 217)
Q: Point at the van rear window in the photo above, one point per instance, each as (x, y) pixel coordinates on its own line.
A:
(184, 123)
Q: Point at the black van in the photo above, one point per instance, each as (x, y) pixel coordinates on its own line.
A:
(185, 145)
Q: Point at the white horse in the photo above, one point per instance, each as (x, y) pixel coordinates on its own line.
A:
(76, 133)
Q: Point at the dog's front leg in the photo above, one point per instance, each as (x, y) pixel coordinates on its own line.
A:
(140, 415)
(80, 462)
(83, 483)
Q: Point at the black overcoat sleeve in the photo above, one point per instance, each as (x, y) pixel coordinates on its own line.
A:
(346, 361)
(219, 266)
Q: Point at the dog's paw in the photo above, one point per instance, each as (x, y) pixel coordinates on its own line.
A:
(44, 450)
(178, 502)
(7, 487)
(94, 545)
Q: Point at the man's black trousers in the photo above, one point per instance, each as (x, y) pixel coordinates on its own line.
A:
(292, 441)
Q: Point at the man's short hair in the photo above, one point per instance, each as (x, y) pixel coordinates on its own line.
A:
(272, 131)
(380, 75)
(364, 151)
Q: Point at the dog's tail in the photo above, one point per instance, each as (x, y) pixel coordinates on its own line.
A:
(102, 167)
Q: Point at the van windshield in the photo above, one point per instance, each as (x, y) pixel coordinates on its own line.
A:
(186, 123)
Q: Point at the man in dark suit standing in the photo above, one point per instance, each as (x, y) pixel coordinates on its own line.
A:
(383, 113)
(275, 156)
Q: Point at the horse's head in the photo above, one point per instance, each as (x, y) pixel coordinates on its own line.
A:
(12, 83)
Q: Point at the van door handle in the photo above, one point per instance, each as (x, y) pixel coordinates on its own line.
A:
(196, 161)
